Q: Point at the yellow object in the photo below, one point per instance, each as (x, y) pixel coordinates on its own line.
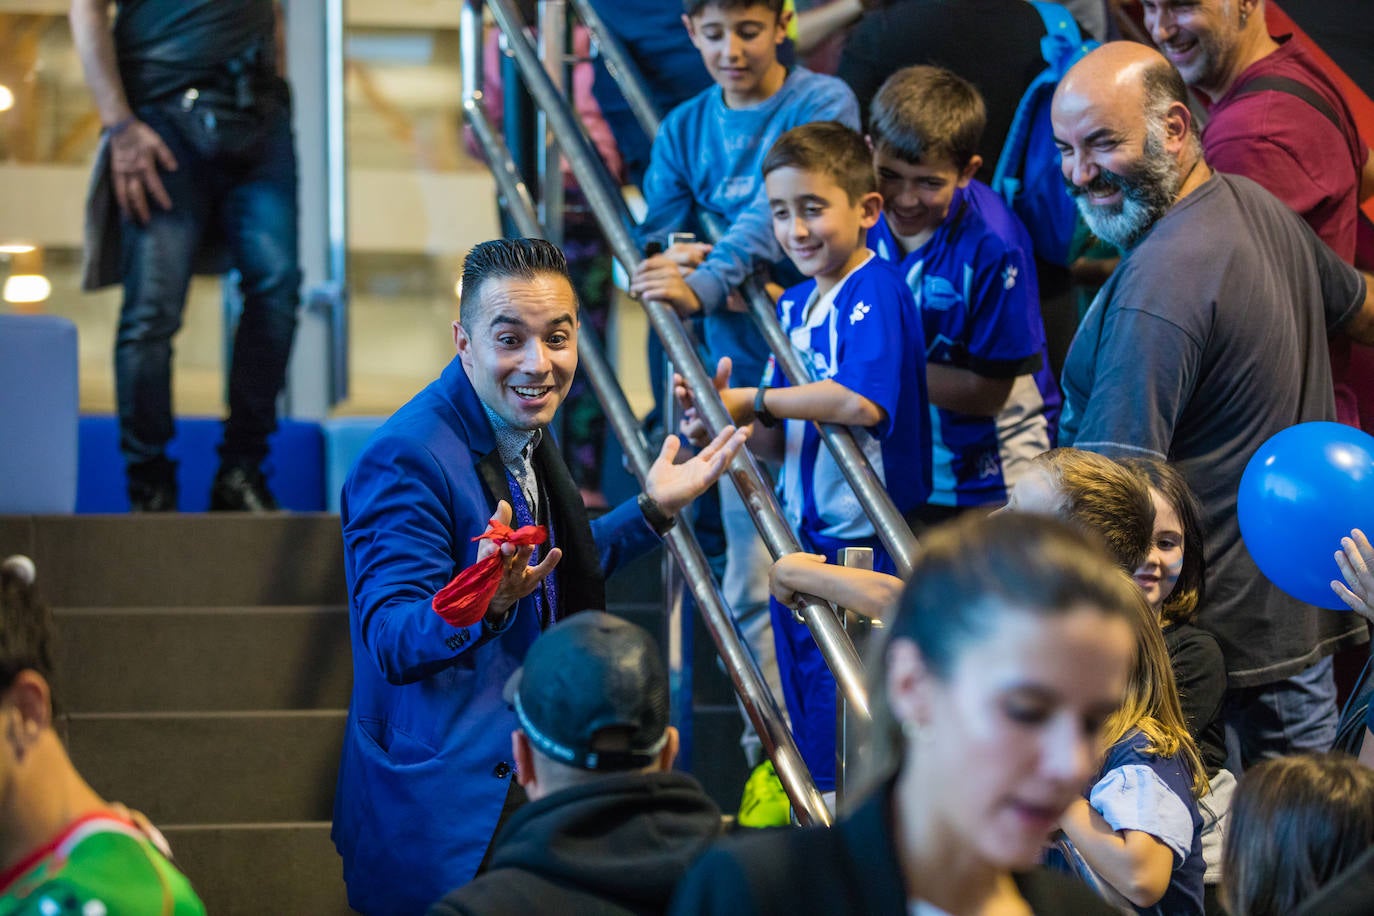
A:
(764, 802)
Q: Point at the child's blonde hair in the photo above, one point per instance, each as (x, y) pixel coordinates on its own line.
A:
(1151, 705)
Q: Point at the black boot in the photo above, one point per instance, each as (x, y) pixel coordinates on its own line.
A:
(153, 486)
(241, 489)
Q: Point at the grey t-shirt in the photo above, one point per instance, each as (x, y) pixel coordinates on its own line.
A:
(1207, 340)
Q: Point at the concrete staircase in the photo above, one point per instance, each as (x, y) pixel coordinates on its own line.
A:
(204, 677)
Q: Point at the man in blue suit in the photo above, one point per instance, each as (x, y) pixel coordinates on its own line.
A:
(426, 773)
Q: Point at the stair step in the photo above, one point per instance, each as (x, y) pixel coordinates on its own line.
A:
(198, 658)
(183, 560)
(225, 767)
(251, 869)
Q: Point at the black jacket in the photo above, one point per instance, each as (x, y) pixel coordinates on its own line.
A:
(612, 847)
(851, 868)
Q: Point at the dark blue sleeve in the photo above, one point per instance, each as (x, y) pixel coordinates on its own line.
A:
(401, 546)
(717, 884)
(622, 535)
(1005, 335)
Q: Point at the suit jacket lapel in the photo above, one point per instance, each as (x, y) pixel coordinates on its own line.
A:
(581, 584)
(493, 474)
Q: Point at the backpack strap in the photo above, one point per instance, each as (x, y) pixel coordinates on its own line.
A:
(1062, 41)
(1061, 47)
(1290, 86)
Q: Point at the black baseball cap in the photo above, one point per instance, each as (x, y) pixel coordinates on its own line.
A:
(593, 694)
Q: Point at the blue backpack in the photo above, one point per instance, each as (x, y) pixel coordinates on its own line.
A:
(1028, 175)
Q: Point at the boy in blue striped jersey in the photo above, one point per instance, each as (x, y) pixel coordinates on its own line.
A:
(855, 325)
(968, 261)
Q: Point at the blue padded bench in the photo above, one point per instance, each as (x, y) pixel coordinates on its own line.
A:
(38, 415)
(294, 467)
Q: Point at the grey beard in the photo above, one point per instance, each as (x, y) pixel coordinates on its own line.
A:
(1148, 190)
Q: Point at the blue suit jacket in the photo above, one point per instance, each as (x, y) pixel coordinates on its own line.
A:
(426, 760)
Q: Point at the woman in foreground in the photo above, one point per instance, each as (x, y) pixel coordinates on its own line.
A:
(1009, 651)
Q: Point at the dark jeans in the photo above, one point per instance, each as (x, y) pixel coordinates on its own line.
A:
(248, 200)
(1295, 715)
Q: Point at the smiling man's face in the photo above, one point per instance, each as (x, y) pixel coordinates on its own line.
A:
(1200, 37)
(520, 349)
(1118, 164)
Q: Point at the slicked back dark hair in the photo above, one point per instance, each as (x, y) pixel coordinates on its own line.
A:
(694, 8)
(26, 626)
(505, 259)
(826, 148)
(924, 114)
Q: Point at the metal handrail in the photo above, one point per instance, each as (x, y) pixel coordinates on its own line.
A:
(888, 523)
(758, 701)
(604, 200)
(621, 68)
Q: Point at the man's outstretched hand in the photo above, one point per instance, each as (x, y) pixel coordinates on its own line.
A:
(518, 577)
(673, 486)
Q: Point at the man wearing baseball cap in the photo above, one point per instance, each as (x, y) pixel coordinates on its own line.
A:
(609, 829)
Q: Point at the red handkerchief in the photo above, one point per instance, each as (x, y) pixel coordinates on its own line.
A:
(464, 601)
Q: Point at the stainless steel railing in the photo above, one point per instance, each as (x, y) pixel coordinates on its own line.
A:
(603, 198)
(757, 699)
(888, 523)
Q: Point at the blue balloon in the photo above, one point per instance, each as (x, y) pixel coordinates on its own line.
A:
(1300, 494)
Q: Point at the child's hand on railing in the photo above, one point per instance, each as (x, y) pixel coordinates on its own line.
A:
(790, 572)
(687, 255)
(1355, 558)
(660, 279)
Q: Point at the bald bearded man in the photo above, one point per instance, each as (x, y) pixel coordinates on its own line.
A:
(1208, 339)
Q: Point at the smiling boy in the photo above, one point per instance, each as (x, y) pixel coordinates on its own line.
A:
(856, 325)
(706, 160)
(994, 404)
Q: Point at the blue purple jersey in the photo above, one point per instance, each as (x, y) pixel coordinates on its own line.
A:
(974, 283)
(864, 334)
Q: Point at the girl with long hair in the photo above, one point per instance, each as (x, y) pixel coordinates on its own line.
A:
(1139, 828)
(1297, 823)
(1172, 579)
(1004, 665)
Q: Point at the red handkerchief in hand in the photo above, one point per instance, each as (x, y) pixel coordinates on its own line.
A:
(464, 600)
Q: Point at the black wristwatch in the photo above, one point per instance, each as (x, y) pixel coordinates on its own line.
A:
(653, 513)
(761, 412)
